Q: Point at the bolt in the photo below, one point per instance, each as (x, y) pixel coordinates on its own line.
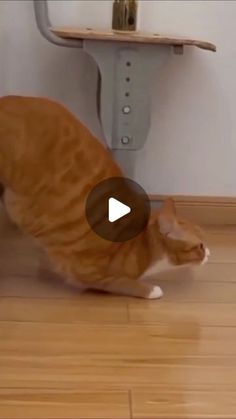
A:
(126, 109)
(125, 140)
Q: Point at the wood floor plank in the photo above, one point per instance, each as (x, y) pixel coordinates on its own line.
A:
(215, 377)
(222, 247)
(69, 355)
(43, 284)
(212, 283)
(172, 339)
(203, 314)
(63, 404)
(91, 309)
(179, 405)
(199, 292)
(215, 272)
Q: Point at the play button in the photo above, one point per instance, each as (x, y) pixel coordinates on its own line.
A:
(117, 209)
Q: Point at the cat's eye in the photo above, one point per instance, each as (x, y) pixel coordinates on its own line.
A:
(201, 246)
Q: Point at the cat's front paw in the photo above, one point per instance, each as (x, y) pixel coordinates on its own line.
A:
(156, 292)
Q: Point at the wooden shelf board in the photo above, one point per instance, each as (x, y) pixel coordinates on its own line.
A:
(120, 36)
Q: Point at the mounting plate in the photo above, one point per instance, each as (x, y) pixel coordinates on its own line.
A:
(127, 73)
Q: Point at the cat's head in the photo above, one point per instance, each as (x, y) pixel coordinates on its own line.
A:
(182, 241)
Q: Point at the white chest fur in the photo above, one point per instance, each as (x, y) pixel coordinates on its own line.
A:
(163, 265)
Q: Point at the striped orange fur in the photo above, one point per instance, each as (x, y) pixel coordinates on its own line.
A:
(49, 162)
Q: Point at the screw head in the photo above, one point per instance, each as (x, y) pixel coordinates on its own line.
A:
(126, 109)
(125, 140)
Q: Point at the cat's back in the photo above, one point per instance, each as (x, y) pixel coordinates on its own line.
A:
(40, 116)
(25, 105)
(47, 129)
(41, 141)
(34, 121)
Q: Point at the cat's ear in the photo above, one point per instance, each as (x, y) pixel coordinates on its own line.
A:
(167, 220)
(168, 207)
(165, 216)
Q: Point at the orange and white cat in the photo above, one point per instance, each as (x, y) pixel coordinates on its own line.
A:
(49, 162)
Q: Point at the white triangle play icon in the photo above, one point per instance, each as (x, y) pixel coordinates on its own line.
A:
(117, 209)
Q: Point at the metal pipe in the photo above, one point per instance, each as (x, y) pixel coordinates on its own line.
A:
(44, 25)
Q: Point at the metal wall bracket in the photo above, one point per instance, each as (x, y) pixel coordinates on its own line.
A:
(127, 65)
(44, 25)
(126, 75)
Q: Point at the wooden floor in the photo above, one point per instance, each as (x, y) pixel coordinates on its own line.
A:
(66, 355)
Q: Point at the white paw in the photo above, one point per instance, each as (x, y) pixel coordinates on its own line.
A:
(207, 254)
(155, 293)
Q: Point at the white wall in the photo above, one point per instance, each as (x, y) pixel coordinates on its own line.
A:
(191, 148)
